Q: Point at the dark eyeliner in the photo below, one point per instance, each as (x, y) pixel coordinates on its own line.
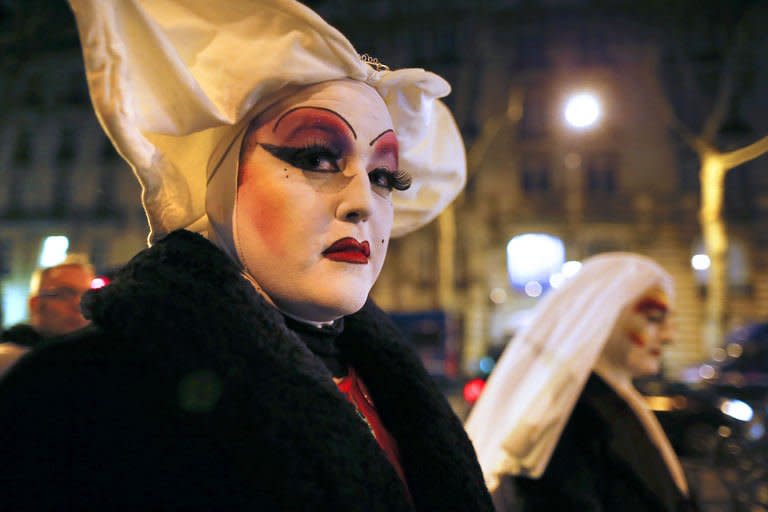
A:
(302, 157)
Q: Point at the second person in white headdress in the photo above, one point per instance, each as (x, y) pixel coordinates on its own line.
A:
(560, 425)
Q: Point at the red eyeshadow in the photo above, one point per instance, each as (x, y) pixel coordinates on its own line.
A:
(636, 339)
(313, 126)
(651, 303)
(318, 117)
(386, 144)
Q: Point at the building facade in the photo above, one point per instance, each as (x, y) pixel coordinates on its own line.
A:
(60, 177)
(627, 184)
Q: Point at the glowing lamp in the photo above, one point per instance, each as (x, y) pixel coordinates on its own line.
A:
(54, 250)
(700, 262)
(532, 260)
(582, 110)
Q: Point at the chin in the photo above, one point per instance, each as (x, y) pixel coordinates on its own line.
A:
(324, 310)
(646, 371)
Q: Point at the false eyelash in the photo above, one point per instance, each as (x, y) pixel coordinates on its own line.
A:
(297, 156)
(383, 177)
(401, 180)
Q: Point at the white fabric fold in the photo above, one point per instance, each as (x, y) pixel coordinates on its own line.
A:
(171, 80)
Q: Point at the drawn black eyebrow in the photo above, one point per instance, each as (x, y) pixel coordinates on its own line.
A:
(380, 136)
(318, 108)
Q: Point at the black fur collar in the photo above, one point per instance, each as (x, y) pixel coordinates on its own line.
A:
(201, 312)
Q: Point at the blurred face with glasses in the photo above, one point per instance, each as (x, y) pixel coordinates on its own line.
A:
(55, 310)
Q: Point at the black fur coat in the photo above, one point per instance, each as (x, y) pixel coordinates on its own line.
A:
(188, 392)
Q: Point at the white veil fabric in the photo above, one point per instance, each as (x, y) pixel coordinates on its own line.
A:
(174, 82)
(531, 393)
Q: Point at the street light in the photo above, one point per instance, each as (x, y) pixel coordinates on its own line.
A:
(532, 259)
(582, 110)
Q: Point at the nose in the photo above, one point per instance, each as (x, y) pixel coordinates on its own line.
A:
(356, 197)
(667, 333)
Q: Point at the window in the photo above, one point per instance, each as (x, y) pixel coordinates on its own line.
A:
(532, 51)
(534, 122)
(5, 257)
(76, 93)
(593, 47)
(65, 154)
(535, 173)
(601, 245)
(108, 152)
(738, 268)
(22, 153)
(34, 96)
(600, 173)
(98, 254)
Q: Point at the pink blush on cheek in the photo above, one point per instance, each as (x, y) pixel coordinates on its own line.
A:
(636, 339)
(263, 211)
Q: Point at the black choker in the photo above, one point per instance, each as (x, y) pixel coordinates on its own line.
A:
(321, 340)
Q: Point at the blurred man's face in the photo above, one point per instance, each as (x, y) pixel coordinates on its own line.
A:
(56, 308)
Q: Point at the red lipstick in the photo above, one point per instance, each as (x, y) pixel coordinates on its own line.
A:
(348, 250)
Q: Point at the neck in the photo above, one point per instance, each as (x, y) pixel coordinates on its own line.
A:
(314, 323)
(256, 287)
(618, 374)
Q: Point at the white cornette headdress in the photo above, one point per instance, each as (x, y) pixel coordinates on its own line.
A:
(173, 80)
(518, 420)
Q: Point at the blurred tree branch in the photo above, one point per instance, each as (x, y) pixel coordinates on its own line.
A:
(702, 38)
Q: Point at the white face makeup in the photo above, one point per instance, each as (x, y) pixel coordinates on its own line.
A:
(643, 330)
(313, 213)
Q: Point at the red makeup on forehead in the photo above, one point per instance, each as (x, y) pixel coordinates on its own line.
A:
(304, 118)
(386, 143)
(652, 303)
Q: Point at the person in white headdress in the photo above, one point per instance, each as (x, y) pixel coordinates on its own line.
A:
(560, 425)
(237, 363)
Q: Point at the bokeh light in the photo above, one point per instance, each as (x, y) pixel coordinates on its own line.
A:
(473, 389)
(534, 258)
(54, 250)
(99, 282)
(582, 110)
(700, 262)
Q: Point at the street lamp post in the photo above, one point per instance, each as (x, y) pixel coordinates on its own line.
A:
(582, 111)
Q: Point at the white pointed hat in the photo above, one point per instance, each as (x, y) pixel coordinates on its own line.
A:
(172, 80)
